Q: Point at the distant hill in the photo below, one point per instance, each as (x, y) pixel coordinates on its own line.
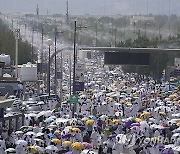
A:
(7, 45)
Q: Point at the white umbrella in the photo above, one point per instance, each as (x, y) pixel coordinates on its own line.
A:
(173, 121)
(162, 109)
(177, 148)
(156, 126)
(45, 113)
(144, 124)
(176, 130)
(21, 142)
(40, 149)
(39, 134)
(177, 115)
(52, 148)
(122, 138)
(39, 140)
(19, 132)
(32, 115)
(88, 152)
(41, 103)
(176, 135)
(103, 117)
(31, 133)
(62, 120)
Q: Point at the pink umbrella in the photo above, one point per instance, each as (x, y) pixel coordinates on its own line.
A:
(86, 145)
(135, 128)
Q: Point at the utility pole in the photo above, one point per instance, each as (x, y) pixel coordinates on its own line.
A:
(96, 33)
(74, 65)
(42, 54)
(147, 8)
(55, 61)
(67, 12)
(55, 51)
(37, 10)
(32, 48)
(115, 36)
(17, 31)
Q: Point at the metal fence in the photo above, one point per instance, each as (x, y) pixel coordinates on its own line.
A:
(12, 122)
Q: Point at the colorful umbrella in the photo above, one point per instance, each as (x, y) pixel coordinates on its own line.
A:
(86, 145)
(90, 122)
(66, 136)
(116, 121)
(67, 143)
(108, 121)
(49, 120)
(56, 141)
(32, 148)
(162, 113)
(76, 129)
(138, 120)
(107, 132)
(77, 146)
(92, 117)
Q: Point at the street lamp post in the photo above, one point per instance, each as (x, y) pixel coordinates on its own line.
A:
(74, 65)
(49, 43)
(32, 60)
(55, 51)
(16, 55)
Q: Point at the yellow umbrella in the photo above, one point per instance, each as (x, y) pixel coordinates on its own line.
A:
(116, 121)
(145, 114)
(76, 129)
(128, 103)
(90, 122)
(138, 120)
(32, 148)
(67, 143)
(56, 141)
(162, 113)
(111, 99)
(109, 121)
(178, 124)
(77, 146)
(171, 96)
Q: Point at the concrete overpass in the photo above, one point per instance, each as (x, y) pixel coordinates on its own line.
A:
(118, 49)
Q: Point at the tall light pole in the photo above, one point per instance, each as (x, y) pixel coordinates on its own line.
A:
(75, 61)
(49, 43)
(55, 68)
(55, 61)
(17, 36)
(32, 60)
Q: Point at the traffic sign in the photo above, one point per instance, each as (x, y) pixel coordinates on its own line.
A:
(73, 99)
(59, 75)
(80, 69)
(79, 86)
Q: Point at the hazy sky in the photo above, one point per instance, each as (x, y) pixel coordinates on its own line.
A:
(95, 7)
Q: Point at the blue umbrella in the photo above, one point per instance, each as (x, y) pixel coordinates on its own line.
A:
(92, 117)
(52, 136)
(48, 120)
